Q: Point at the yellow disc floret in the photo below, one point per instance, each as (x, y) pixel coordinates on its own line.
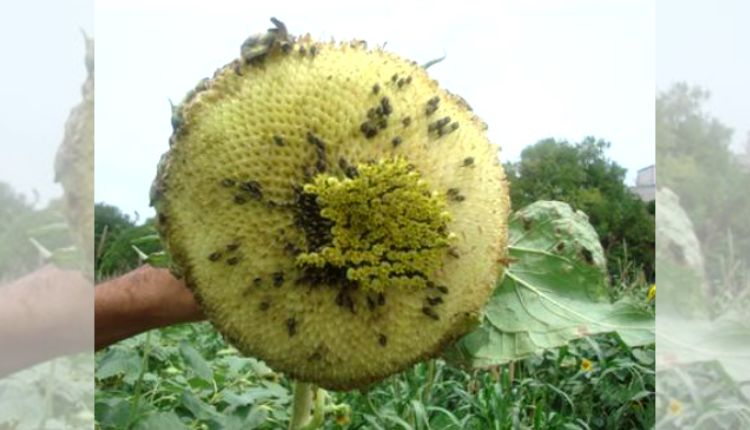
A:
(389, 230)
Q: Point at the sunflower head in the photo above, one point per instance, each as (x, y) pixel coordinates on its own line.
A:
(337, 214)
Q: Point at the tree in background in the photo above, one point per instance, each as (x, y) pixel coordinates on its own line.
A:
(19, 223)
(109, 222)
(116, 233)
(581, 175)
(695, 161)
(118, 255)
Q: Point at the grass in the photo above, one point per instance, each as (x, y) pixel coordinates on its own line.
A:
(187, 377)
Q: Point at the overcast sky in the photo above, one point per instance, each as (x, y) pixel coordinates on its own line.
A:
(40, 81)
(551, 69)
(706, 43)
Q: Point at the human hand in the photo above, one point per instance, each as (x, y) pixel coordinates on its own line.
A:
(141, 300)
(44, 314)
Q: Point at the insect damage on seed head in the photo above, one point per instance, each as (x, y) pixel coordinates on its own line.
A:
(385, 104)
(382, 339)
(455, 195)
(291, 326)
(328, 216)
(434, 301)
(233, 261)
(257, 46)
(177, 119)
(432, 105)
(430, 313)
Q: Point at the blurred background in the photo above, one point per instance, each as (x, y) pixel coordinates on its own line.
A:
(46, 216)
(703, 239)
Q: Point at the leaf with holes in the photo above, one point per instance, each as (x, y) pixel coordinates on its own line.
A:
(554, 291)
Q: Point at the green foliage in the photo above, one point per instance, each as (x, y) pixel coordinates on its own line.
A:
(152, 379)
(581, 175)
(703, 248)
(187, 377)
(184, 376)
(109, 221)
(19, 223)
(119, 256)
(11, 204)
(692, 151)
(57, 394)
(554, 291)
(701, 395)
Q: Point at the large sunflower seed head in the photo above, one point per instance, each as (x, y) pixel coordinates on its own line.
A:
(337, 214)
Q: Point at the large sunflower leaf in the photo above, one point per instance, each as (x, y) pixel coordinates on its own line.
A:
(554, 291)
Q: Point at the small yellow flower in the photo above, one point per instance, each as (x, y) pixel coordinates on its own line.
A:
(343, 419)
(652, 293)
(586, 365)
(342, 414)
(675, 407)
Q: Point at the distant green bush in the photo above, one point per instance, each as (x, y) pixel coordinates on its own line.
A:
(581, 175)
(19, 223)
(118, 255)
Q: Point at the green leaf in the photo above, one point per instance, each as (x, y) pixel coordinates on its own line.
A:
(200, 409)
(116, 361)
(726, 340)
(554, 291)
(195, 361)
(254, 419)
(644, 357)
(159, 259)
(257, 416)
(147, 240)
(161, 421)
(265, 392)
(113, 413)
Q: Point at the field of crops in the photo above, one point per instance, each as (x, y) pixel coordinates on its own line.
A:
(187, 377)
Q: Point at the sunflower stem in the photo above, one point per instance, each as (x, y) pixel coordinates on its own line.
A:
(319, 410)
(303, 394)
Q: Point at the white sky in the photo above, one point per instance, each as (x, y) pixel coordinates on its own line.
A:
(705, 43)
(40, 81)
(551, 69)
